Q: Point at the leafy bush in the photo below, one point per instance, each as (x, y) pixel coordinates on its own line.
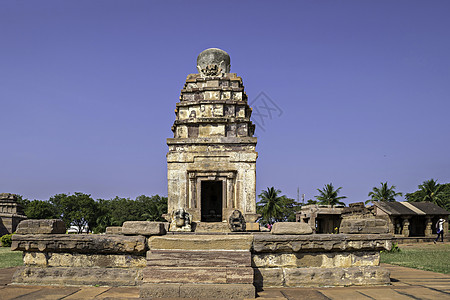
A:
(6, 240)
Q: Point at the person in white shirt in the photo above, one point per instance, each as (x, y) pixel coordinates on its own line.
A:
(440, 230)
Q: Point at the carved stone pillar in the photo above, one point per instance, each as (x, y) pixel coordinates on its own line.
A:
(405, 226)
(428, 226)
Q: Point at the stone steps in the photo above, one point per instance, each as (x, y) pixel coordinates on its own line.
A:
(199, 266)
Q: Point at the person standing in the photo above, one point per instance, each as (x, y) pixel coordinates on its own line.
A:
(440, 230)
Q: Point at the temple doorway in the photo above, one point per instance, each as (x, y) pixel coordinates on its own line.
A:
(211, 200)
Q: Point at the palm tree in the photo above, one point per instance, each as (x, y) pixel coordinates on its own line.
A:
(431, 191)
(383, 194)
(329, 196)
(270, 203)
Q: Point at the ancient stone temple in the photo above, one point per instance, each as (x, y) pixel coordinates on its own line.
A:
(11, 213)
(211, 163)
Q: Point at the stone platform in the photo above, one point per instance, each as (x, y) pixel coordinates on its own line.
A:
(199, 265)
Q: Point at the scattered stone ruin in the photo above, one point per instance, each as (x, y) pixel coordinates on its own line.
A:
(11, 213)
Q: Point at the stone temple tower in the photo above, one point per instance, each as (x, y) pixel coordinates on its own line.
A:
(211, 163)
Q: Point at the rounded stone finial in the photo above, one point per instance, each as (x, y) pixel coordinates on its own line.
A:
(213, 61)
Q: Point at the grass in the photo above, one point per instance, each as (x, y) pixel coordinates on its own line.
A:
(10, 258)
(430, 257)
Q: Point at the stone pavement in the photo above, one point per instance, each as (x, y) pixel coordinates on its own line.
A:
(406, 284)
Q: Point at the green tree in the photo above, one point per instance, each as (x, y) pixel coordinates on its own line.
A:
(384, 193)
(431, 191)
(329, 196)
(311, 202)
(79, 210)
(38, 209)
(152, 207)
(270, 206)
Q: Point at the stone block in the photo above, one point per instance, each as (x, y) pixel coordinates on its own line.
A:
(143, 228)
(291, 228)
(83, 260)
(159, 290)
(321, 242)
(217, 291)
(201, 242)
(113, 230)
(78, 276)
(268, 277)
(54, 226)
(297, 277)
(80, 243)
(252, 226)
(362, 226)
(197, 291)
(223, 275)
(186, 258)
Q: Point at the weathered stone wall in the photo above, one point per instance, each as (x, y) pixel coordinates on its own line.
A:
(319, 260)
(52, 257)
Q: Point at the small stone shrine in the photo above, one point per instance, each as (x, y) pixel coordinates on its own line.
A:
(11, 213)
(211, 163)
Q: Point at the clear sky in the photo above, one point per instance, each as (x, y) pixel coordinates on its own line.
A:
(88, 90)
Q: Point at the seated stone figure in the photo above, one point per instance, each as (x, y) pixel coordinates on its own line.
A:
(236, 221)
(181, 220)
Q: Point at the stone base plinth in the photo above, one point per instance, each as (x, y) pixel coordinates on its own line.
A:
(306, 277)
(78, 276)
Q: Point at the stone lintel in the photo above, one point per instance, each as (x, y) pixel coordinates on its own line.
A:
(79, 243)
(321, 242)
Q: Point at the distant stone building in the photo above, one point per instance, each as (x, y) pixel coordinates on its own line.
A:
(211, 163)
(321, 218)
(407, 219)
(11, 213)
(411, 219)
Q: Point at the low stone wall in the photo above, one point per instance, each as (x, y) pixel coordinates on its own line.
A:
(319, 260)
(52, 257)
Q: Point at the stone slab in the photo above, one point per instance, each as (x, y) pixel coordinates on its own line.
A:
(201, 242)
(305, 277)
(50, 259)
(198, 291)
(335, 259)
(114, 230)
(321, 242)
(198, 275)
(79, 243)
(143, 228)
(53, 226)
(185, 258)
(78, 276)
(361, 226)
(291, 228)
(252, 226)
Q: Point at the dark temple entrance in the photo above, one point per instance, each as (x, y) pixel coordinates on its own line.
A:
(211, 194)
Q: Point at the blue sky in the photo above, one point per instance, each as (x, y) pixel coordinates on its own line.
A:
(88, 91)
